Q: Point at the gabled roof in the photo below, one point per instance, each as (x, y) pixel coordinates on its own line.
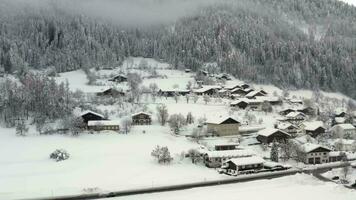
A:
(206, 88)
(340, 120)
(308, 147)
(232, 86)
(295, 114)
(345, 126)
(254, 93)
(252, 160)
(339, 111)
(221, 119)
(270, 131)
(283, 126)
(230, 153)
(312, 126)
(92, 112)
(145, 113)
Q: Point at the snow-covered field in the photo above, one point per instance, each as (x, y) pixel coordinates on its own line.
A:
(112, 161)
(294, 187)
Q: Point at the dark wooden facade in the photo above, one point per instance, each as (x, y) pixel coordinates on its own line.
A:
(141, 119)
(278, 136)
(316, 132)
(111, 93)
(119, 78)
(91, 116)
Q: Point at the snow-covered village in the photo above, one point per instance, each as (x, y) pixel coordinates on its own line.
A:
(144, 127)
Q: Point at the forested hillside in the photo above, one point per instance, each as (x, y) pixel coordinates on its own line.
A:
(291, 43)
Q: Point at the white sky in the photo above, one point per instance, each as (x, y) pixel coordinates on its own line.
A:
(352, 2)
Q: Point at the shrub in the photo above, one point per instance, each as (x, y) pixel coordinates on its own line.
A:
(59, 155)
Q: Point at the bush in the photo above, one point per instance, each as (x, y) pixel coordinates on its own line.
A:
(59, 155)
(161, 154)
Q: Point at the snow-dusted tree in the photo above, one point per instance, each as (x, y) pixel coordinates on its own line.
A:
(162, 114)
(195, 97)
(176, 122)
(161, 154)
(195, 156)
(190, 118)
(59, 155)
(187, 97)
(274, 152)
(206, 99)
(266, 107)
(285, 149)
(21, 128)
(126, 124)
(176, 97)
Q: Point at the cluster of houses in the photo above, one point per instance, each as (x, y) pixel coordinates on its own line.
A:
(97, 122)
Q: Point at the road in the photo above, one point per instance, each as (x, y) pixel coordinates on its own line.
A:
(242, 178)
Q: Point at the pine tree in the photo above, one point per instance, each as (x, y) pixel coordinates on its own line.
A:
(274, 152)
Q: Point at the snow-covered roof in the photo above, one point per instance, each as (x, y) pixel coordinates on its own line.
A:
(269, 131)
(218, 142)
(295, 114)
(308, 147)
(253, 93)
(252, 160)
(312, 126)
(232, 86)
(145, 113)
(345, 126)
(92, 112)
(286, 125)
(103, 123)
(230, 153)
(206, 88)
(267, 98)
(220, 119)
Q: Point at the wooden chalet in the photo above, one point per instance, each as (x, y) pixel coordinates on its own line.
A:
(314, 128)
(289, 128)
(307, 111)
(267, 136)
(235, 165)
(91, 116)
(223, 126)
(315, 154)
(238, 91)
(216, 158)
(141, 118)
(244, 86)
(286, 111)
(207, 90)
(254, 94)
(119, 78)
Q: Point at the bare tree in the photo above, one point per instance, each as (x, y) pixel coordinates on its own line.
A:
(162, 114)
(176, 122)
(126, 124)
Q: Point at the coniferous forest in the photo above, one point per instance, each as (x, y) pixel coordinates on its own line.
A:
(291, 43)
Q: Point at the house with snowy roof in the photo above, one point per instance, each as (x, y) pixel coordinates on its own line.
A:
(289, 128)
(268, 135)
(286, 111)
(232, 86)
(236, 165)
(219, 144)
(110, 92)
(207, 90)
(119, 78)
(141, 118)
(216, 158)
(314, 128)
(339, 112)
(254, 94)
(315, 154)
(223, 126)
(89, 115)
(344, 129)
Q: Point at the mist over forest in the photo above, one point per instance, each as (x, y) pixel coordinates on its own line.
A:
(295, 44)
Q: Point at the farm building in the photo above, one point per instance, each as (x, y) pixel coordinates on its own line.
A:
(314, 128)
(141, 118)
(90, 116)
(100, 125)
(315, 154)
(111, 92)
(216, 158)
(266, 136)
(207, 90)
(235, 165)
(289, 128)
(119, 78)
(223, 126)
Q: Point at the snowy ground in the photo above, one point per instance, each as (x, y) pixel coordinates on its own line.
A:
(110, 161)
(290, 187)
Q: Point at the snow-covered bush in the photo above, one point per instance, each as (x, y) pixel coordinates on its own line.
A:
(162, 154)
(59, 155)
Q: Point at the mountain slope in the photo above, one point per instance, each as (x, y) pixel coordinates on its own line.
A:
(302, 44)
